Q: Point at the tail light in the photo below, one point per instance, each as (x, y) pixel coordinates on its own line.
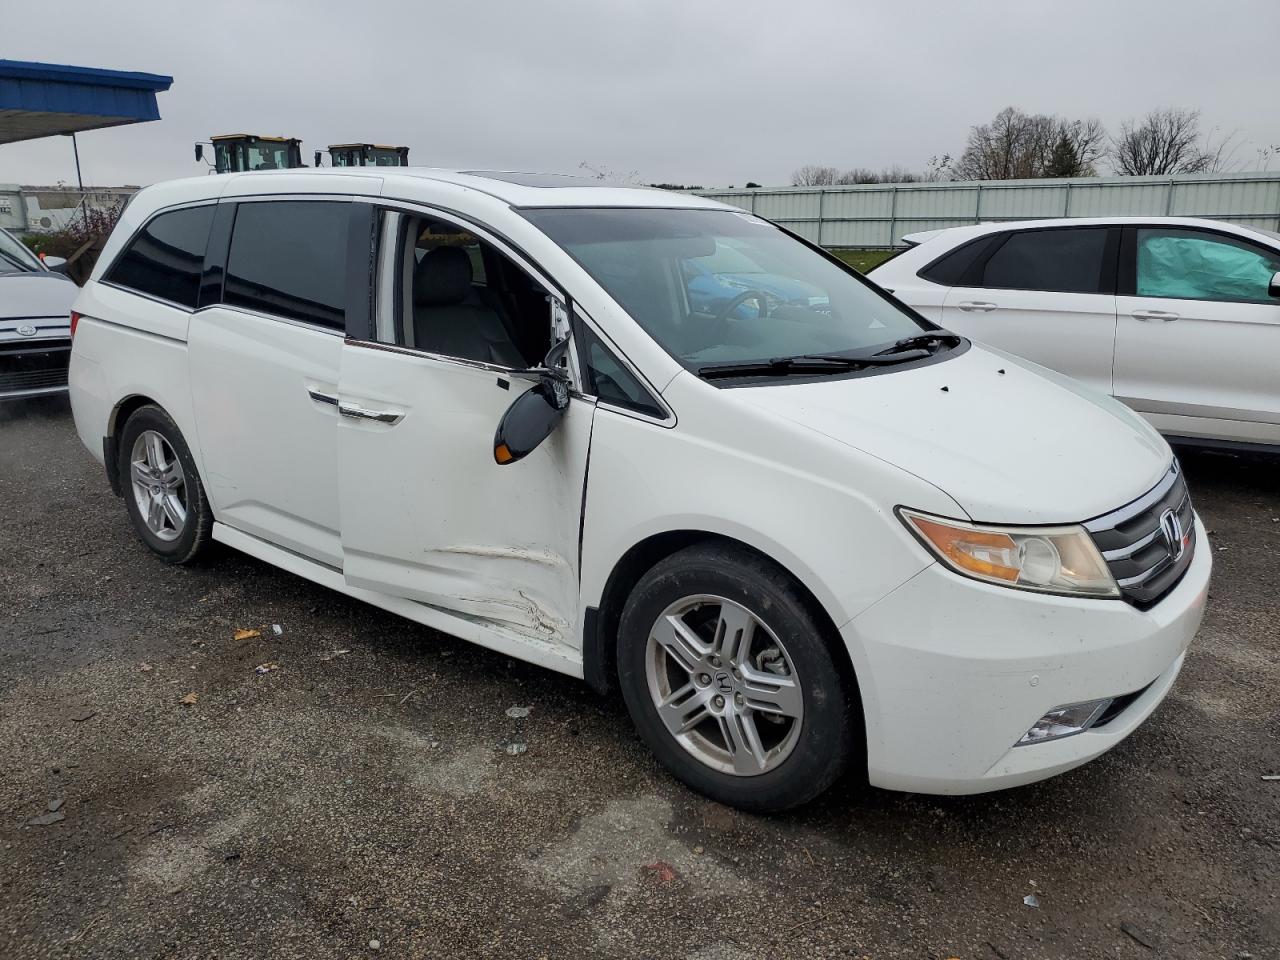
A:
(75, 318)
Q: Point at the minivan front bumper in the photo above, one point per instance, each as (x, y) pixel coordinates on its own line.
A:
(953, 672)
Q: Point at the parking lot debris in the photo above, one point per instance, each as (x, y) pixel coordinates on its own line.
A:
(1136, 935)
(518, 713)
(56, 805)
(190, 700)
(375, 944)
(662, 871)
(1271, 776)
(333, 655)
(46, 819)
(81, 714)
(145, 668)
(515, 749)
(246, 633)
(277, 630)
(1031, 900)
(269, 667)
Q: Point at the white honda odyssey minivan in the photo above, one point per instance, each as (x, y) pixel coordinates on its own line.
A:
(656, 442)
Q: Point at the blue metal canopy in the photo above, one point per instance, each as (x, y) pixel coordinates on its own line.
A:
(46, 99)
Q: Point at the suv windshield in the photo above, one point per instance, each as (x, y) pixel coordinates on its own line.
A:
(719, 286)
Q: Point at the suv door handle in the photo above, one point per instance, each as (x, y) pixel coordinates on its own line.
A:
(355, 411)
(1164, 315)
(976, 306)
(319, 396)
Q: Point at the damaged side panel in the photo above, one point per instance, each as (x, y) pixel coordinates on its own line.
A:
(428, 515)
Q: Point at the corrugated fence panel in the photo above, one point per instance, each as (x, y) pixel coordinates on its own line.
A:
(878, 215)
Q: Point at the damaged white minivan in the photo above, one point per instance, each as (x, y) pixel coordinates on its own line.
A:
(656, 442)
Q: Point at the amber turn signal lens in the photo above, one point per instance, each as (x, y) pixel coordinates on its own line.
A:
(986, 554)
(502, 454)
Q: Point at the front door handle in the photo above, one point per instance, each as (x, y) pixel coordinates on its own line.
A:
(976, 306)
(319, 396)
(1164, 315)
(357, 412)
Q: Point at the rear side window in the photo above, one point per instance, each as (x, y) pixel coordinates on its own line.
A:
(951, 269)
(164, 259)
(1189, 264)
(1061, 261)
(288, 258)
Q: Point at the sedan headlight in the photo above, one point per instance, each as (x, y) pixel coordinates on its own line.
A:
(1044, 559)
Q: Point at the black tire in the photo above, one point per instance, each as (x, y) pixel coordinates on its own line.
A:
(198, 528)
(831, 730)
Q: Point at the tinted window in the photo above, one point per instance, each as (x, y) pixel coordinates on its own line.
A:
(166, 256)
(611, 381)
(1188, 264)
(1063, 261)
(950, 269)
(289, 258)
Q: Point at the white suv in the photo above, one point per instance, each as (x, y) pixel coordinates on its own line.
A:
(1177, 317)
(793, 523)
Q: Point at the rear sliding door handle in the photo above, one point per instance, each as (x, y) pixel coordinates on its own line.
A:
(1164, 315)
(357, 412)
(976, 306)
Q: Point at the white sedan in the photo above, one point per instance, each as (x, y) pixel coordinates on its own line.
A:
(1179, 318)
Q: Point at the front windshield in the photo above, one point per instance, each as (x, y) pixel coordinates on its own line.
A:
(14, 257)
(719, 286)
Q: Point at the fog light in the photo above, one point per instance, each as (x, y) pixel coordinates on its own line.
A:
(1064, 721)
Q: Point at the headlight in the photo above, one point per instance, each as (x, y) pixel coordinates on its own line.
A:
(1045, 559)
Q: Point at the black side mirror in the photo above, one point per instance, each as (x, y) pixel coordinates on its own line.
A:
(199, 152)
(534, 414)
(1273, 288)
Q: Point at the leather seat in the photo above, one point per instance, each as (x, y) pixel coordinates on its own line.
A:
(448, 317)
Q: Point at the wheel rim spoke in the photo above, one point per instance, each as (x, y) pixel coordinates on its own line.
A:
(743, 739)
(155, 454)
(173, 510)
(684, 709)
(772, 693)
(734, 631)
(142, 473)
(680, 642)
(155, 514)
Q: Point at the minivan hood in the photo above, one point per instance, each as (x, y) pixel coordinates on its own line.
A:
(43, 294)
(1009, 441)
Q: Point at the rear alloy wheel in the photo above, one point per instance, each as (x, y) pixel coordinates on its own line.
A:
(729, 677)
(162, 491)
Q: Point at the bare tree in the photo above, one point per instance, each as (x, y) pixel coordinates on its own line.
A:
(1017, 145)
(812, 175)
(1166, 141)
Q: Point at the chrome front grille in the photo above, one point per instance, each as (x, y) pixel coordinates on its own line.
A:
(1148, 544)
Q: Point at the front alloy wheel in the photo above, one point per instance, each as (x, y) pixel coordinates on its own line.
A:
(724, 686)
(736, 680)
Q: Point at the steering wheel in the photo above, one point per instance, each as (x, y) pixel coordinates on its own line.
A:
(761, 299)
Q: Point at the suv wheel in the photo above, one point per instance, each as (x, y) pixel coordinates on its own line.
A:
(162, 491)
(731, 681)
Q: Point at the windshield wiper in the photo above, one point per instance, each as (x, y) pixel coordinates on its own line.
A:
(931, 341)
(808, 364)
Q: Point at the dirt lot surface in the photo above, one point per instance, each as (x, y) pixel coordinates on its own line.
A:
(368, 795)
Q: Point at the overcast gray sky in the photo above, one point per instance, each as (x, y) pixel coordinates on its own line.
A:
(713, 92)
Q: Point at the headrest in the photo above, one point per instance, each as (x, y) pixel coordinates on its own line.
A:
(442, 277)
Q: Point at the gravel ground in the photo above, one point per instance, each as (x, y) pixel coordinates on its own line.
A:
(368, 795)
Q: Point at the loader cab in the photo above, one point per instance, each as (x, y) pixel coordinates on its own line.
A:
(238, 152)
(365, 155)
